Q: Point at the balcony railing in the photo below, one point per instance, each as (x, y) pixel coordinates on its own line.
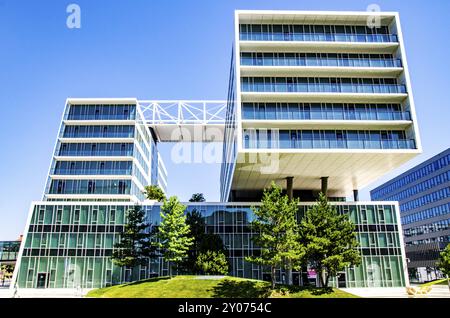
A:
(327, 115)
(323, 88)
(330, 144)
(95, 153)
(326, 37)
(93, 171)
(309, 61)
(100, 117)
(99, 135)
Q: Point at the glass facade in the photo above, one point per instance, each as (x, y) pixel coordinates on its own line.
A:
(321, 85)
(91, 121)
(96, 149)
(9, 251)
(332, 139)
(71, 244)
(102, 112)
(300, 32)
(319, 59)
(423, 193)
(99, 131)
(323, 111)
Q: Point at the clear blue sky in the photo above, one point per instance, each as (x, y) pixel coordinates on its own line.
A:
(162, 50)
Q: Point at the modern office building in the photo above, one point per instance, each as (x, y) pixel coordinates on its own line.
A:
(423, 193)
(9, 251)
(316, 96)
(317, 101)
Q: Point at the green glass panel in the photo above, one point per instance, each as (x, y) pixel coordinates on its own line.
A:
(36, 243)
(102, 215)
(66, 215)
(388, 214)
(109, 240)
(371, 219)
(84, 214)
(90, 240)
(72, 240)
(54, 241)
(382, 241)
(364, 239)
(120, 215)
(353, 215)
(48, 215)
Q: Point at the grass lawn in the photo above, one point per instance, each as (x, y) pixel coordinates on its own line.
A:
(436, 282)
(199, 287)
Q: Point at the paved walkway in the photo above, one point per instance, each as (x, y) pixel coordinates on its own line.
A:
(437, 291)
(44, 293)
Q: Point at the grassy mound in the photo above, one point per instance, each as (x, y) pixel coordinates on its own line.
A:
(200, 287)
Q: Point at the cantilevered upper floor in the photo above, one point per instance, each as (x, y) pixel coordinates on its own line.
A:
(317, 94)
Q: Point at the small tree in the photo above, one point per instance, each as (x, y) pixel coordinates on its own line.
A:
(444, 263)
(276, 231)
(197, 197)
(154, 192)
(173, 232)
(202, 241)
(330, 240)
(7, 272)
(135, 246)
(212, 263)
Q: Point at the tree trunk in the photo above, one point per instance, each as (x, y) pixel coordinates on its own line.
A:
(304, 273)
(289, 273)
(323, 279)
(273, 277)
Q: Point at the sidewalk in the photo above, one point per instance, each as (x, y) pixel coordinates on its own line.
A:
(438, 291)
(44, 293)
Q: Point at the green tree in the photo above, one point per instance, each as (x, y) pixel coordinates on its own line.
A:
(154, 192)
(197, 197)
(277, 233)
(135, 245)
(173, 232)
(330, 240)
(6, 271)
(444, 263)
(212, 263)
(202, 241)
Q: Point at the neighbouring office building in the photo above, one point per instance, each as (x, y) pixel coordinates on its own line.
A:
(423, 193)
(317, 101)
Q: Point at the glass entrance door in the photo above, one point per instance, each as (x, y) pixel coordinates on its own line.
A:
(41, 280)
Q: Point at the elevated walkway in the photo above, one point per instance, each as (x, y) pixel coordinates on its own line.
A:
(185, 120)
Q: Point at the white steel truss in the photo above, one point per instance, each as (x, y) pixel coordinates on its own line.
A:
(185, 120)
(180, 112)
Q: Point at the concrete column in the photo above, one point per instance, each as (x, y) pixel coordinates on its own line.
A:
(324, 187)
(289, 187)
(356, 195)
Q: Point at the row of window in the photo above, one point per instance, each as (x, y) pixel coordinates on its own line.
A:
(426, 199)
(299, 32)
(82, 214)
(445, 238)
(90, 187)
(321, 84)
(420, 187)
(93, 167)
(319, 59)
(442, 209)
(102, 112)
(352, 139)
(96, 149)
(322, 111)
(428, 228)
(97, 131)
(408, 177)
